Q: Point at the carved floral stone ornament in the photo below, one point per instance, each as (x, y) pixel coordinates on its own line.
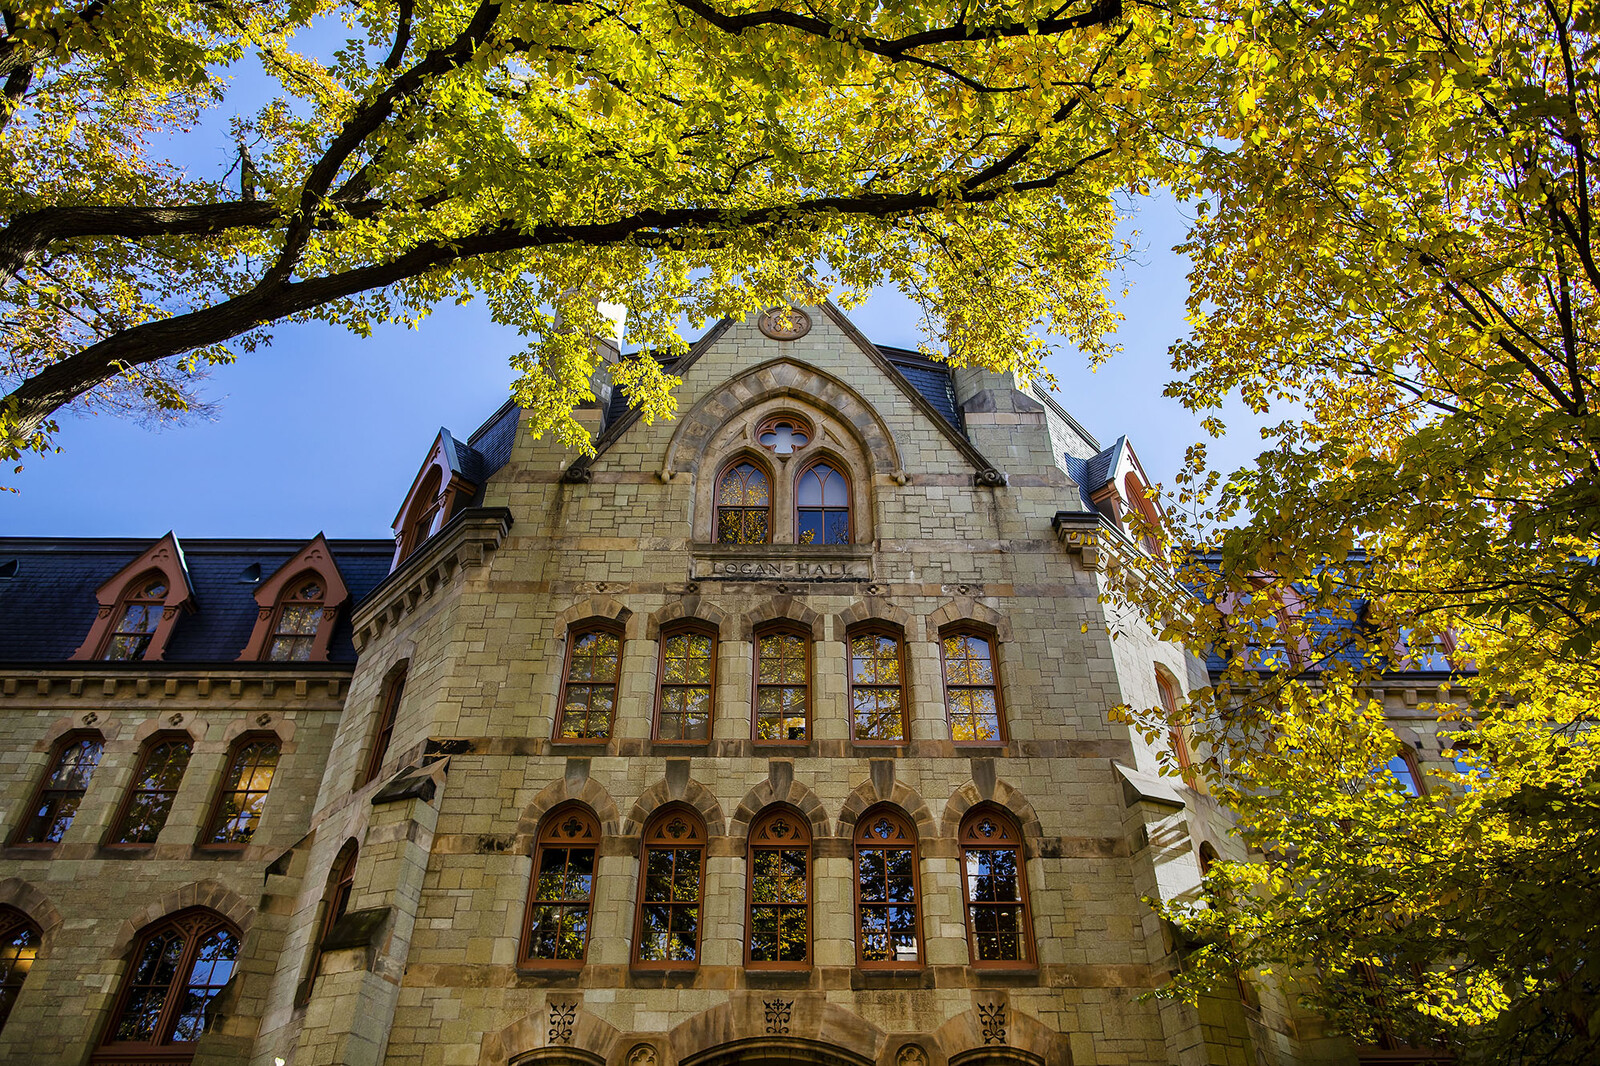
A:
(642, 1055)
(784, 323)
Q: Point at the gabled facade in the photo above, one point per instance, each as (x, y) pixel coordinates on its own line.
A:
(776, 732)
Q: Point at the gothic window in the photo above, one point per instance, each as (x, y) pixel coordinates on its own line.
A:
(783, 685)
(155, 787)
(336, 900)
(237, 811)
(744, 505)
(995, 888)
(1406, 771)
(877, 686)
(19, 946)
(780, 891)
(179, 966)
(672, 869)
(688, 674)
(589, 688)
(822, 498)
(61, 789)
(385, 727)
(295, 629)
(1175, 737)
(784, 434)
(887, 922)
(417, 526)
(971, 689)
(556, 930)
(137, 617)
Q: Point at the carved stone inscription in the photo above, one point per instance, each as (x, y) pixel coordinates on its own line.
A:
(747, 569)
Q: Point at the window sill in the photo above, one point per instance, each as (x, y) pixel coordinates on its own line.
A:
(899, 978)
(790, 977)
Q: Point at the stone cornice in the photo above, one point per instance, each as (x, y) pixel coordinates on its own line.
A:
(103, 681)
(465, 543)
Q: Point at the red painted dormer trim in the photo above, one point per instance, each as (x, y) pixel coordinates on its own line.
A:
(315, 558)
(164, 557)
(429, 500)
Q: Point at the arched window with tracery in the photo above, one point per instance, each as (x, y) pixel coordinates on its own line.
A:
(19, 946)
(671, 885)
(236, 814)
(995, 888)
(779, 896)
(877, 685)
(61, 789)
(971, 687)
(154, 789)
(822, 504)
(888, 922)
(685, 694)
(179, 966)
(744, 504)
(783, 684)
(294, 630)
(556, 930)
(589, 684)
(137, 617)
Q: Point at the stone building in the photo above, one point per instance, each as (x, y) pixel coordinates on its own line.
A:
(775, 733)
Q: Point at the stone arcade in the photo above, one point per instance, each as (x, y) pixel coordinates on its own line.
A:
(774, 734)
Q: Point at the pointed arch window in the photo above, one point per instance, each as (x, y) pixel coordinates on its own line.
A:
(19, 946)
(1406, 771)
(555, 931)
(783, 685)
(671, 880)
(417, 526)
(1175, 737)
(877, 686)
(779, 894)
(179, 966)
(888, 923)
(154, 789)
(995, 888)
(236, 814)
(822, 501)
(589, 685)
(61, 789)
(295, 628)
(335, 905)
(685, 695)
(137, 617)
(971, 687)
(384, 732)
(744, 504)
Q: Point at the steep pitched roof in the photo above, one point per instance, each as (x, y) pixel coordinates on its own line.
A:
(48, 605)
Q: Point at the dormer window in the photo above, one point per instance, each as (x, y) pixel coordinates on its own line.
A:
(298, 618)
(140, 606)
(297, 608)
(784, 435)
(136, 622)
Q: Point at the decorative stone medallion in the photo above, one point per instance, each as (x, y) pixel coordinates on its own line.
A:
(911, 1055)
(784, 324)
(642, 1055)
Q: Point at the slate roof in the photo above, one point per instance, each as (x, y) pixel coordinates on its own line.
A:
(48, 605)
(1091, 474)
(930, 378)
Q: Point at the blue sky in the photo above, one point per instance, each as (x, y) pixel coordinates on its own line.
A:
(325, 431)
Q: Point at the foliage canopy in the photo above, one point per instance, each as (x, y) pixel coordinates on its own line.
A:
(677, 157)
(1398, 244)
